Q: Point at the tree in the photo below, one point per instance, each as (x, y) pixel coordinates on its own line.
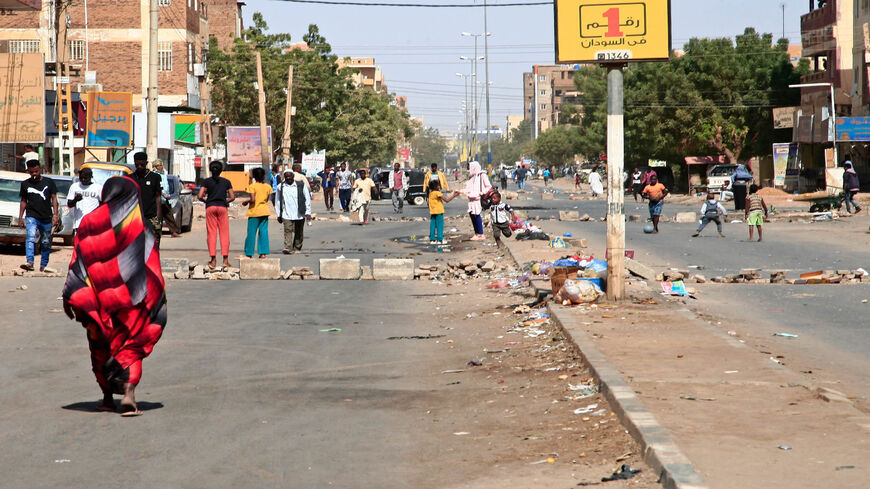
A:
(506, 153)
(556, 146)
(429, 147)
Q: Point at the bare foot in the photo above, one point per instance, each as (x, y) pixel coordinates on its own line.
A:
(212, 264)
(128, 403)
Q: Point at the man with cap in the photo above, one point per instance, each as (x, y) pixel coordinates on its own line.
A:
(150, 192)
(293, 206)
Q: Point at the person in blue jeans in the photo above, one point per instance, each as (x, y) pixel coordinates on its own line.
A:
(39, 200)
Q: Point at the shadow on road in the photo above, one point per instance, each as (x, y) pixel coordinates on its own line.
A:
(91, 406)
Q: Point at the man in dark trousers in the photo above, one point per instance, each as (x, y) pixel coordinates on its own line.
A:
(39, 198)
(327, 182)
(150, 191)
(293, 205)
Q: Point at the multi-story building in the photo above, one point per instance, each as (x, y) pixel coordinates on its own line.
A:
(545, 89)
(109, 48)
(225, 21)
(368, 74)
(511, 123)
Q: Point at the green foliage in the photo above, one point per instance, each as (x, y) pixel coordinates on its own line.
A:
(507, 153)
(556, 146)
(351, 124)
(429, 147)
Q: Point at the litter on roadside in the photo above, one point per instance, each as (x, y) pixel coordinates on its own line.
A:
(621, 473)
(588, 409)
(677, 288)
(786, 335)
(331, 330)
(784, 447)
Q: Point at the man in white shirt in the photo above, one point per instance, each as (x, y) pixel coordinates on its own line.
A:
(29, 154)
(293, 205)
(345, 187)
(84, 196)
(398, 182)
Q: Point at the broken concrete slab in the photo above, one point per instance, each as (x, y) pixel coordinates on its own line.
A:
(639, 269)
(259, 269)
(569, 216)
(393, 269)
(172, 265)
(340, 269)
(686, 217)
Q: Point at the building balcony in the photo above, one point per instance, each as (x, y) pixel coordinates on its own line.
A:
(817, 41)
(820, 17)
(818, 77)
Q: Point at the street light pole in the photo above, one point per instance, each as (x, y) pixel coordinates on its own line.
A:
(486, 34)
(474, 87)
(466, 109)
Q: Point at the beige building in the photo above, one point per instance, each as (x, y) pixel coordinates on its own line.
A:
(545, 89)
(511, 123)
(368, 74)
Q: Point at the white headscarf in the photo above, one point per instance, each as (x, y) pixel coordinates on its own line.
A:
(476, 186)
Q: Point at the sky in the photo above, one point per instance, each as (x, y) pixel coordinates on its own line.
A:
(418, 49)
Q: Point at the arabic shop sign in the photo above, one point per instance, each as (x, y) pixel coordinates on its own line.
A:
(109, 120)
(612, 31)
(853, 128)
(22, 98)
(243, 144)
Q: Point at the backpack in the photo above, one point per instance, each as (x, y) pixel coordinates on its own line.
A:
(711, 212)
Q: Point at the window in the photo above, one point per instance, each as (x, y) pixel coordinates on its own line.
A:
(164, 55)
(76, 50)
(543, 106)
(164, 3)
(543, 92)
(24, 46)
(542, 78)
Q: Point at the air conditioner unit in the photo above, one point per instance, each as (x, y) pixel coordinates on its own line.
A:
(198, 69)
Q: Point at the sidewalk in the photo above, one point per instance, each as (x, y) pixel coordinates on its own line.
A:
(739, 414)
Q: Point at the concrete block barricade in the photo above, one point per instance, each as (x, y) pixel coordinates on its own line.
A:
(260, 269)
(339, 269)
(171, 265)
(393, 269)
(686, 217)
(569, 215)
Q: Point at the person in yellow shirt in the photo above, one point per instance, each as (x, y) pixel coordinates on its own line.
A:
(258, 215)
(436, 212)
(435, 175)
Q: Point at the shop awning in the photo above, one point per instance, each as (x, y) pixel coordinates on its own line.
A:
(705, 160)
(20, 4)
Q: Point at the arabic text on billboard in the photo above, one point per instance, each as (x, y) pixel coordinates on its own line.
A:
(853, 128)
(783, 117)
(313, 162)
(22, 98)
(109, 120)
(243, 144)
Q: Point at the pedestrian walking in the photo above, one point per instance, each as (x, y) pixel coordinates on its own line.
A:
(328, 183)
(115, 289)
(595, 183)
(398, 181)
(500, 216)
(756, 210)
(150, 193)
(217, 193)
(476, 187)
(165, 203)
(83, 196)
(503, 178)
(436, 212)
(739, 180)
(522, 173)
(257, 239)
(636, 185)
(293, 205)
(434, 175)
(362, 196)
(712, 210)
(345, 187)
(456, 174)
(38, 196)
(29, 154)
(656, 193)
(851, 186)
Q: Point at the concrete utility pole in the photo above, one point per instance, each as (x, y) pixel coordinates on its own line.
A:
(615, 195)
(486, 71)
(265, 151)
(153, 67)
(288, 115)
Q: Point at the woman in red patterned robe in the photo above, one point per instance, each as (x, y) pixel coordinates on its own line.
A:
(115, 289)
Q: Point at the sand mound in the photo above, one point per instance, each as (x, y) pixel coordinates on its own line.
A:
(771, 191)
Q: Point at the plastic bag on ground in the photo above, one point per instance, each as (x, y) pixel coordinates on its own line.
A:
(579, 292)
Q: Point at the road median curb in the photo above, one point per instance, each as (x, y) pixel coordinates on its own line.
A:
(660, 452)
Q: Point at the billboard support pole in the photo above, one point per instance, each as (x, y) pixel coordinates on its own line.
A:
(265, 151)
(615, 194)
(288, 120)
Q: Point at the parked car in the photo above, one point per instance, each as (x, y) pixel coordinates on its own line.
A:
(416, 194)
(181, 203)
(67, 218)
(719, 177)
(103, 170)
(382, 190)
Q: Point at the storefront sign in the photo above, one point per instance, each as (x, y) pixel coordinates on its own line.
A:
(783, 117)
(22, 98)
(109, 120)
(853, 128)
(243, 144)
(784, 157)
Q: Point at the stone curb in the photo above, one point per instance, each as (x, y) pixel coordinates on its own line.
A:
(659, 450)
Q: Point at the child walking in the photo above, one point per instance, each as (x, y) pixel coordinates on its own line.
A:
(500, 215)
(258, 215)
(756, 211)
(436, 212)
(712, 210)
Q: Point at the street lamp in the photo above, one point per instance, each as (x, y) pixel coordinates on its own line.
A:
(833, 114)
(466, 104)
(485, 35)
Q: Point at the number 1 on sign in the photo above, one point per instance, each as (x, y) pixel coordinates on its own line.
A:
(612, 17)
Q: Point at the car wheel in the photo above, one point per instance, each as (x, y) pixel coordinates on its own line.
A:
(419, 200)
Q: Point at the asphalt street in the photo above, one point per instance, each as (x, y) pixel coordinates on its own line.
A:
(243, 390)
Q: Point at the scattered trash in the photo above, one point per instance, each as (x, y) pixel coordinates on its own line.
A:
(731, 371)
(688, 397)
(584, 390)
(621, 473)
(499, 284)
(417, 337)
(557, 242)
(623, 457)
(461, 433)
(472, 315)
(66, 461)
(825, 216)
(452, 371)
(568, 235)
(786, 335)
(677, 288)
(474, 363)
(732, 332)
(588, 409)
(845, 467)
(784, 447)
(331, 330)
(775, 360)
(579, 292)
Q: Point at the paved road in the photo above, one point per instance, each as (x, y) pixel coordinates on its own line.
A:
(242, 391)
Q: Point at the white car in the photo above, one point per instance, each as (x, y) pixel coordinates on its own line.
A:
(10, 204)
(719, 177)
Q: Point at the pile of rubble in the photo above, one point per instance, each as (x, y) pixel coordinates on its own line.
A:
(299, 273)
(18, 272)
(195, 271)
(754, 276)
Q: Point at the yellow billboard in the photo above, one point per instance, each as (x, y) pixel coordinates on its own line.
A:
(612, 31)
